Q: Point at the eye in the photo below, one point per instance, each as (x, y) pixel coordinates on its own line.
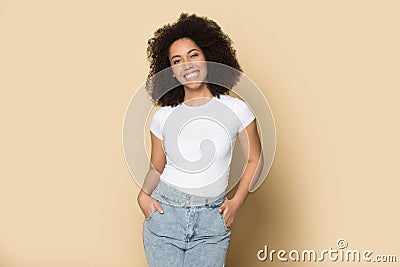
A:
(194, 55)
(176, 61)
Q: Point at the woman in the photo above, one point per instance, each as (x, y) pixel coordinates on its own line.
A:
(187, 215)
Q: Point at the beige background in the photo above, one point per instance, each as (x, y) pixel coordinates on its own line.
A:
(68, 69)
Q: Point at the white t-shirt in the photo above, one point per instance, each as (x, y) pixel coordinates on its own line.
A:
(199, 142)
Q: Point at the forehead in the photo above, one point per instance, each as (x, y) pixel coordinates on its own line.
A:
(182, 46)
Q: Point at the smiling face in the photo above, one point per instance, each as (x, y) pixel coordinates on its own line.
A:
(188, 63)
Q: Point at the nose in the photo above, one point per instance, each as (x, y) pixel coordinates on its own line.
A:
(187, 64)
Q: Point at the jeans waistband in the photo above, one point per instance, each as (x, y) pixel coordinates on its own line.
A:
(172, 196)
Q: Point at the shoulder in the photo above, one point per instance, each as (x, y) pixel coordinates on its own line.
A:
(164, 110)
(229, 101)
(158, 119)
(234, 103)
(240, 108)
(162, 113)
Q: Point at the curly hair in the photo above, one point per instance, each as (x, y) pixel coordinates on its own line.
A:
(216, 46)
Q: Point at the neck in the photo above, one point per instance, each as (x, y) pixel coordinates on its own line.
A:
(202, 92)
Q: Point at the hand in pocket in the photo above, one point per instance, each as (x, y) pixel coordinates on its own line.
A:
(148, 204)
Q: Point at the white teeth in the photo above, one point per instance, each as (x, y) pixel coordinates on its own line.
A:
(191, 75)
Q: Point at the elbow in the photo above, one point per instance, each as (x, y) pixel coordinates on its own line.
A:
(257, 159)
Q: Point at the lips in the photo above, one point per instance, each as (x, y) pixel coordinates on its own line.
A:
(191, 75)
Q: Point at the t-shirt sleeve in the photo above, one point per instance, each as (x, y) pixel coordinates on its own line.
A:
(245, 114)
(156, 125)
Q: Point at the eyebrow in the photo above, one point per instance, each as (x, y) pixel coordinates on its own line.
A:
(187, 52)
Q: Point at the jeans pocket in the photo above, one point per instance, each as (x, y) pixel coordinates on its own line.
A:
(223, 221)
(151, 215)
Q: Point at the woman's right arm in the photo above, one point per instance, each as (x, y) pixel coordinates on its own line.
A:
(157, 163)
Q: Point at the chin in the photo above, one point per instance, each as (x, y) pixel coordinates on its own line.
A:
(193, 85)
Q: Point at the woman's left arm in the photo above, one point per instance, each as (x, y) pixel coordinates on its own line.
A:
(250, 144)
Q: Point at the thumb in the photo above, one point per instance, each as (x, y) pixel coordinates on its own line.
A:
(158, 207)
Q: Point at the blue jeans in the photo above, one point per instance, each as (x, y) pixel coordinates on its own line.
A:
(191, 232)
